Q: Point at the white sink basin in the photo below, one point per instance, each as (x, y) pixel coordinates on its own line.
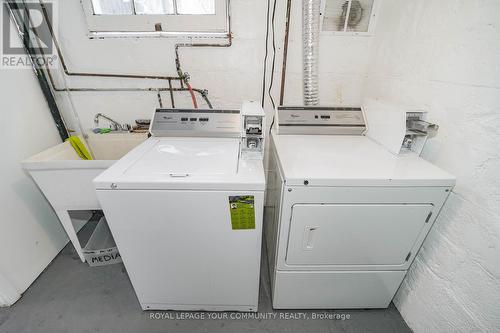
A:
(66, 180)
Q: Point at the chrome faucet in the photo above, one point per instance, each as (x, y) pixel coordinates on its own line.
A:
(115, 126)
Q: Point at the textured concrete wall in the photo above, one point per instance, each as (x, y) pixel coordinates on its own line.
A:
(443, 57)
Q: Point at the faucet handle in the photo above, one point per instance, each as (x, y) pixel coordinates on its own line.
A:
(126, 127)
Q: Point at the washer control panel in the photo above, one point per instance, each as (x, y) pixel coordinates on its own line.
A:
(247, 124)
(196, 122)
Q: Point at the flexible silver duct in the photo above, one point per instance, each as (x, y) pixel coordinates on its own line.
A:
(310, 35)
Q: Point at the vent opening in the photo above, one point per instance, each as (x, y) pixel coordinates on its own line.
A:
(348, 16)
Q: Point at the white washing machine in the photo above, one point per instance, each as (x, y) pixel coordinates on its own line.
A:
(347, 216)
(185, 209)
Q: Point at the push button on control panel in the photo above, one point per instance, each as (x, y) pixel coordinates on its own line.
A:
(184, 119)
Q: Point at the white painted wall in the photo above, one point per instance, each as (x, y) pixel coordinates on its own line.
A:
(30, 233)
(443, 56)
(230, 74)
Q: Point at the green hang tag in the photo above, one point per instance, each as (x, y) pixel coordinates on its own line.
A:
(242, 210)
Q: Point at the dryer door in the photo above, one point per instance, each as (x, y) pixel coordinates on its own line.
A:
(354, 234)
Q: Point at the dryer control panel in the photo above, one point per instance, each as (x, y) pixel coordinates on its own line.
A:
(320, 120)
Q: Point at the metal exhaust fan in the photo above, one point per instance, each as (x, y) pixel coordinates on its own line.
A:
(351, 15)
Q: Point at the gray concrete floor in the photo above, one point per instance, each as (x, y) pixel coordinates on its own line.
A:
(73, 297)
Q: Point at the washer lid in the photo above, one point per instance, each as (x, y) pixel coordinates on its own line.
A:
(184, 163)
(187, 156)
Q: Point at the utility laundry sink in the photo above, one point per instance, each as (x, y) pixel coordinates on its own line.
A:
(66, 180)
